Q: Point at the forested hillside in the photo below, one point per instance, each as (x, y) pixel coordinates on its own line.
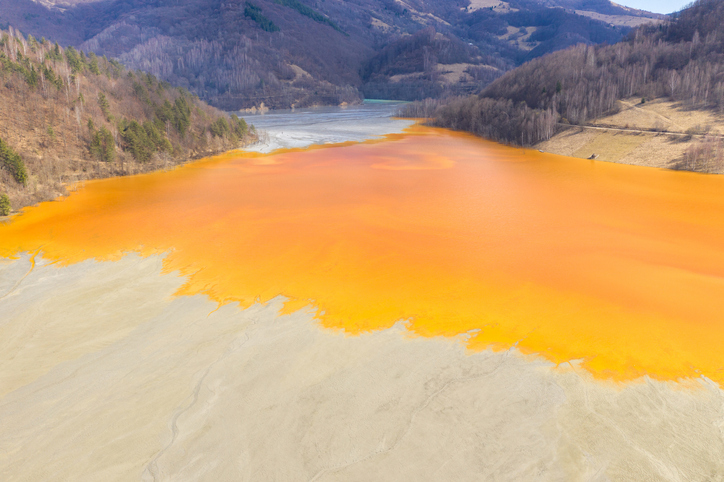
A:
(66, 116)
(241, 53)
(682, 60)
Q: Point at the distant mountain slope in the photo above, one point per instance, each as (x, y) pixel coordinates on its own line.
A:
(681, 61)
(238, 54)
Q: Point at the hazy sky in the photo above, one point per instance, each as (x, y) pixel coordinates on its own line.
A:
(658, 6)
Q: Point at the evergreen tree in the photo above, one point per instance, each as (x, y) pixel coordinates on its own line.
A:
(13, 163)
(182, 115)
(103, 147)
(220, 128)
(4, 205)
(93, 66)
(104, 105)
(239, 126)
(75, 60)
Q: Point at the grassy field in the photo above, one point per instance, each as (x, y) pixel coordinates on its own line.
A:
(657, 133)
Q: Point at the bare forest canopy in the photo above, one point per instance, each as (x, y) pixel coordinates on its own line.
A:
(239, 54)
(682, 60)
(67, 116)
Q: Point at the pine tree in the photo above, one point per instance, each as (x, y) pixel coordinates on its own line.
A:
(102, 146)
(104, 105)
(13, 163)
(4, 205)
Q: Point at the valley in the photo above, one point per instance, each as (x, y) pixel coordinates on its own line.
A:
(333, 240)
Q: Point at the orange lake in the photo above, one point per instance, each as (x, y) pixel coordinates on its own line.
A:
(619, 266)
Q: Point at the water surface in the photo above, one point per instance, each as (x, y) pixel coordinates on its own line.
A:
(620, 266)
(325, 125)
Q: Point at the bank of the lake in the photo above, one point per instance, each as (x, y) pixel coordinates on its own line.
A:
(272, 130)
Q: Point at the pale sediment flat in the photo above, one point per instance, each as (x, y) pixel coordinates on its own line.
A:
(324, 125)
(106, 375)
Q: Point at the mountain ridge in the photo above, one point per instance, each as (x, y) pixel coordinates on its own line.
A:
(218, 51)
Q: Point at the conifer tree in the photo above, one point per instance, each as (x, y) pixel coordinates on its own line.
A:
(4, 205)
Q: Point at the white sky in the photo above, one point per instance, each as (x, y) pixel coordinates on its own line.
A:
(658, 6)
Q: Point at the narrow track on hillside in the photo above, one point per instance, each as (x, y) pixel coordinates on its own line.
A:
(641, 131)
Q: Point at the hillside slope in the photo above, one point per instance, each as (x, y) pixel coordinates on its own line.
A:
(658, 133)
(682, 61)
(238, 54)
(66, 117)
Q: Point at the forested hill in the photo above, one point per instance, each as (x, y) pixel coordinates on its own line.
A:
(66, 116)
(241, 53)
(682, 60)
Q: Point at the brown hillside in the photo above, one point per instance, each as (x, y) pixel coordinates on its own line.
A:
(71, 117)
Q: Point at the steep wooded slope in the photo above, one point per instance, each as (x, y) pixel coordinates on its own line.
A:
(66, 116)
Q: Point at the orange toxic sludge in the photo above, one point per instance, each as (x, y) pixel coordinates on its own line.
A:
(620, 266)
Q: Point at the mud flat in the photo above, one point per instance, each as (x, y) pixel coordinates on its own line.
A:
(469, 293)
(105, 375)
